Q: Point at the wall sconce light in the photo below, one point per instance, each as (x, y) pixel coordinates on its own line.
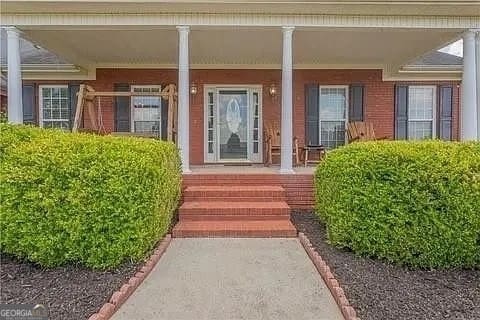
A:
(193, 88)
(272, 90)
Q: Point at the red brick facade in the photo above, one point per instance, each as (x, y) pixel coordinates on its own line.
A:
(379, 95)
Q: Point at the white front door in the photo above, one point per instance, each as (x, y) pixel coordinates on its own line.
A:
(233, 126)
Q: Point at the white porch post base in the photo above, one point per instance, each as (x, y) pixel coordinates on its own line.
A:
(183, 98)
(287, 102)
(469, 91)
(14, 90)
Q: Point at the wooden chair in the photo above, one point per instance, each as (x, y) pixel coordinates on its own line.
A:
(362, 131)
(309, 149)
(273, 145)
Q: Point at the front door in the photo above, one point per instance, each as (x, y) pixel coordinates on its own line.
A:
(233, 124)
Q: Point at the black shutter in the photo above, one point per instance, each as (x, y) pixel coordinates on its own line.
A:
(401, 112)
(164, 115)
(72, 93)
(355, 112)
(122, 109)
(312, 110)
(446, 111)
(28, 101)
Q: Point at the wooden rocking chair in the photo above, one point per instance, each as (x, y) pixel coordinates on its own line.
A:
(362, 131)
(273, 145)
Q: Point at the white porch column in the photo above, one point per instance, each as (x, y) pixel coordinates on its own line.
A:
(183, 98)
(477, 64)
(15, 106)
(287, 102)
(469, 89)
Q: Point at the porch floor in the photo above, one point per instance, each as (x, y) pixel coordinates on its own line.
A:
(247, 169)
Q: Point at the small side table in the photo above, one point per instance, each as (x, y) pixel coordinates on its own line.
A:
(307, 150)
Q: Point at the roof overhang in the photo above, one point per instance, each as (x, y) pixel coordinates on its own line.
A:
(352, 34)
(325, 7)
(53, 72)
(239, 47)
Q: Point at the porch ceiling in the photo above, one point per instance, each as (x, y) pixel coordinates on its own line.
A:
(240, 47)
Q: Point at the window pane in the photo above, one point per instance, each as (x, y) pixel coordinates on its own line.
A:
(55, 92)
(333, 108)
(419, 130)
(46, 92)
(147, 126)
(420, 102)
(146, 111)
(332, 103)
(55, 106)
(56, 113)
(64, 93)
(65, 125)
(332, 133)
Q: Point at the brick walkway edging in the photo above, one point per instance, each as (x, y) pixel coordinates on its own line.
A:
(120, 296)
(332, 284)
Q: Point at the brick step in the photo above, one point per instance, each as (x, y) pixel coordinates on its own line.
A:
(229, 208)
(298, 187)
(233, 217)
(253, 228)
(233, 198)
(238, 182)
(235, 192)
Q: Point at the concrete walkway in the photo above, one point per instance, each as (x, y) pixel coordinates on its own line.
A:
(229, 279)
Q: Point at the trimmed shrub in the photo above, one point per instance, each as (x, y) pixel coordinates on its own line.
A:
(412, 203)
(80, 198)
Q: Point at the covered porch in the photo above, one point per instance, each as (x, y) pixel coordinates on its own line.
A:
(257, 65)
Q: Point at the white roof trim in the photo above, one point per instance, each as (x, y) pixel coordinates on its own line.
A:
(26, 21)
(431, 68)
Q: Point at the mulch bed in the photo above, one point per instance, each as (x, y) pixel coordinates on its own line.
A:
(379, 290)
(70, 292)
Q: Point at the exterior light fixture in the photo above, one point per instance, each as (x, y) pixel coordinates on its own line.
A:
(272, 90)
(193, 88)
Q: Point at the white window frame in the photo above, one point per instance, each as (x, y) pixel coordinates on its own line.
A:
(209, 157)
(347, 102)
(132, 108)
(40, 103)
(434, 109)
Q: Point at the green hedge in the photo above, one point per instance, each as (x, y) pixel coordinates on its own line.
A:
(80, 198)
(413, 203)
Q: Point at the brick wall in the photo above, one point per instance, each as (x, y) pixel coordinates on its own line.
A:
(379, 95)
